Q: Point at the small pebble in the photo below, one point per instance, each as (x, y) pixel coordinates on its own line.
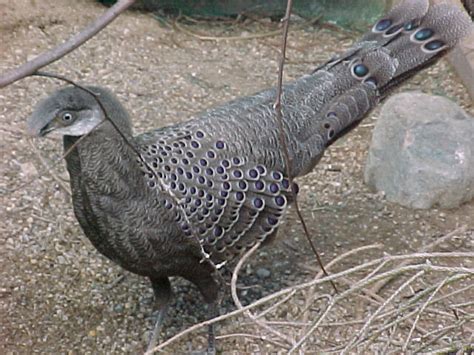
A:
(263, 273)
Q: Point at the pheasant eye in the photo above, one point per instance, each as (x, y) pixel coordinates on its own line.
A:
(67, 116)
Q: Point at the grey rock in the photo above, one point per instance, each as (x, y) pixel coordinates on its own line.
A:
(422, 152)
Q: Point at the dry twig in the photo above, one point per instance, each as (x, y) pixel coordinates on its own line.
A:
(420, 312)
(283, 141)
(371, 329)
(377, 287)
(237, 302)
(60, 51)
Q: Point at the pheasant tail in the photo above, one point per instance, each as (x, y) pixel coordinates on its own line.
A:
(410, 37)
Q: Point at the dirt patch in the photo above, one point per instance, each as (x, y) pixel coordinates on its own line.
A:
(58, 295)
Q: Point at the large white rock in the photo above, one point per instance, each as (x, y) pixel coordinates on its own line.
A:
(422, 152)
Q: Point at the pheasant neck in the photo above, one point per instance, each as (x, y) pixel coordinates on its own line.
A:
(106, 163)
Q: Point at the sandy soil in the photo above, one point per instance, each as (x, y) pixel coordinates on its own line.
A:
(57, 294)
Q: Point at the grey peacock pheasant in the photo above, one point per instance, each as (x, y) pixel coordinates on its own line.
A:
(206, 190)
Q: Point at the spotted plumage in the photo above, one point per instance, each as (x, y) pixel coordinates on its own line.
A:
(179, 200)
(218, 196)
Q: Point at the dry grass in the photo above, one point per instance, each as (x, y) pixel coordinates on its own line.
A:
(392, 303)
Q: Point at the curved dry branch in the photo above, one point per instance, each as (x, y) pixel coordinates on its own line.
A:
(363, 331)
(239, 305)
(381, 321)
(420, 312)
(72, 43)
(380, 285)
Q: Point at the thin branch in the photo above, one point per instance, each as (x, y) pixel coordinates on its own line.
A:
(399, 319)
(464, 304)
(420, 312)
(238, 304)
(197, 326)
(464, 272)
(453, 293)
(364, 329)
(420, 295)
(315, 325)
(277, 106)
(390, 339)
(276, 305)
(377, 287)
(283, 323)
(445, 330)
(75, 41)
(402, 316)
(252, 336)
(420, 267)
(310, 298)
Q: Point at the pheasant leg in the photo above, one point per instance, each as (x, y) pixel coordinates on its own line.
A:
(213, 312)
(162, 291)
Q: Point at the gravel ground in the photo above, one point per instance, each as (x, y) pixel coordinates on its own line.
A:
(57, 294)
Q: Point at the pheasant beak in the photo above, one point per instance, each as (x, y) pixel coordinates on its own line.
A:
(46, 129)
(40, 126)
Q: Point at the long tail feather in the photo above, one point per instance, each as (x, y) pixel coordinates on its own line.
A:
(413, 35)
